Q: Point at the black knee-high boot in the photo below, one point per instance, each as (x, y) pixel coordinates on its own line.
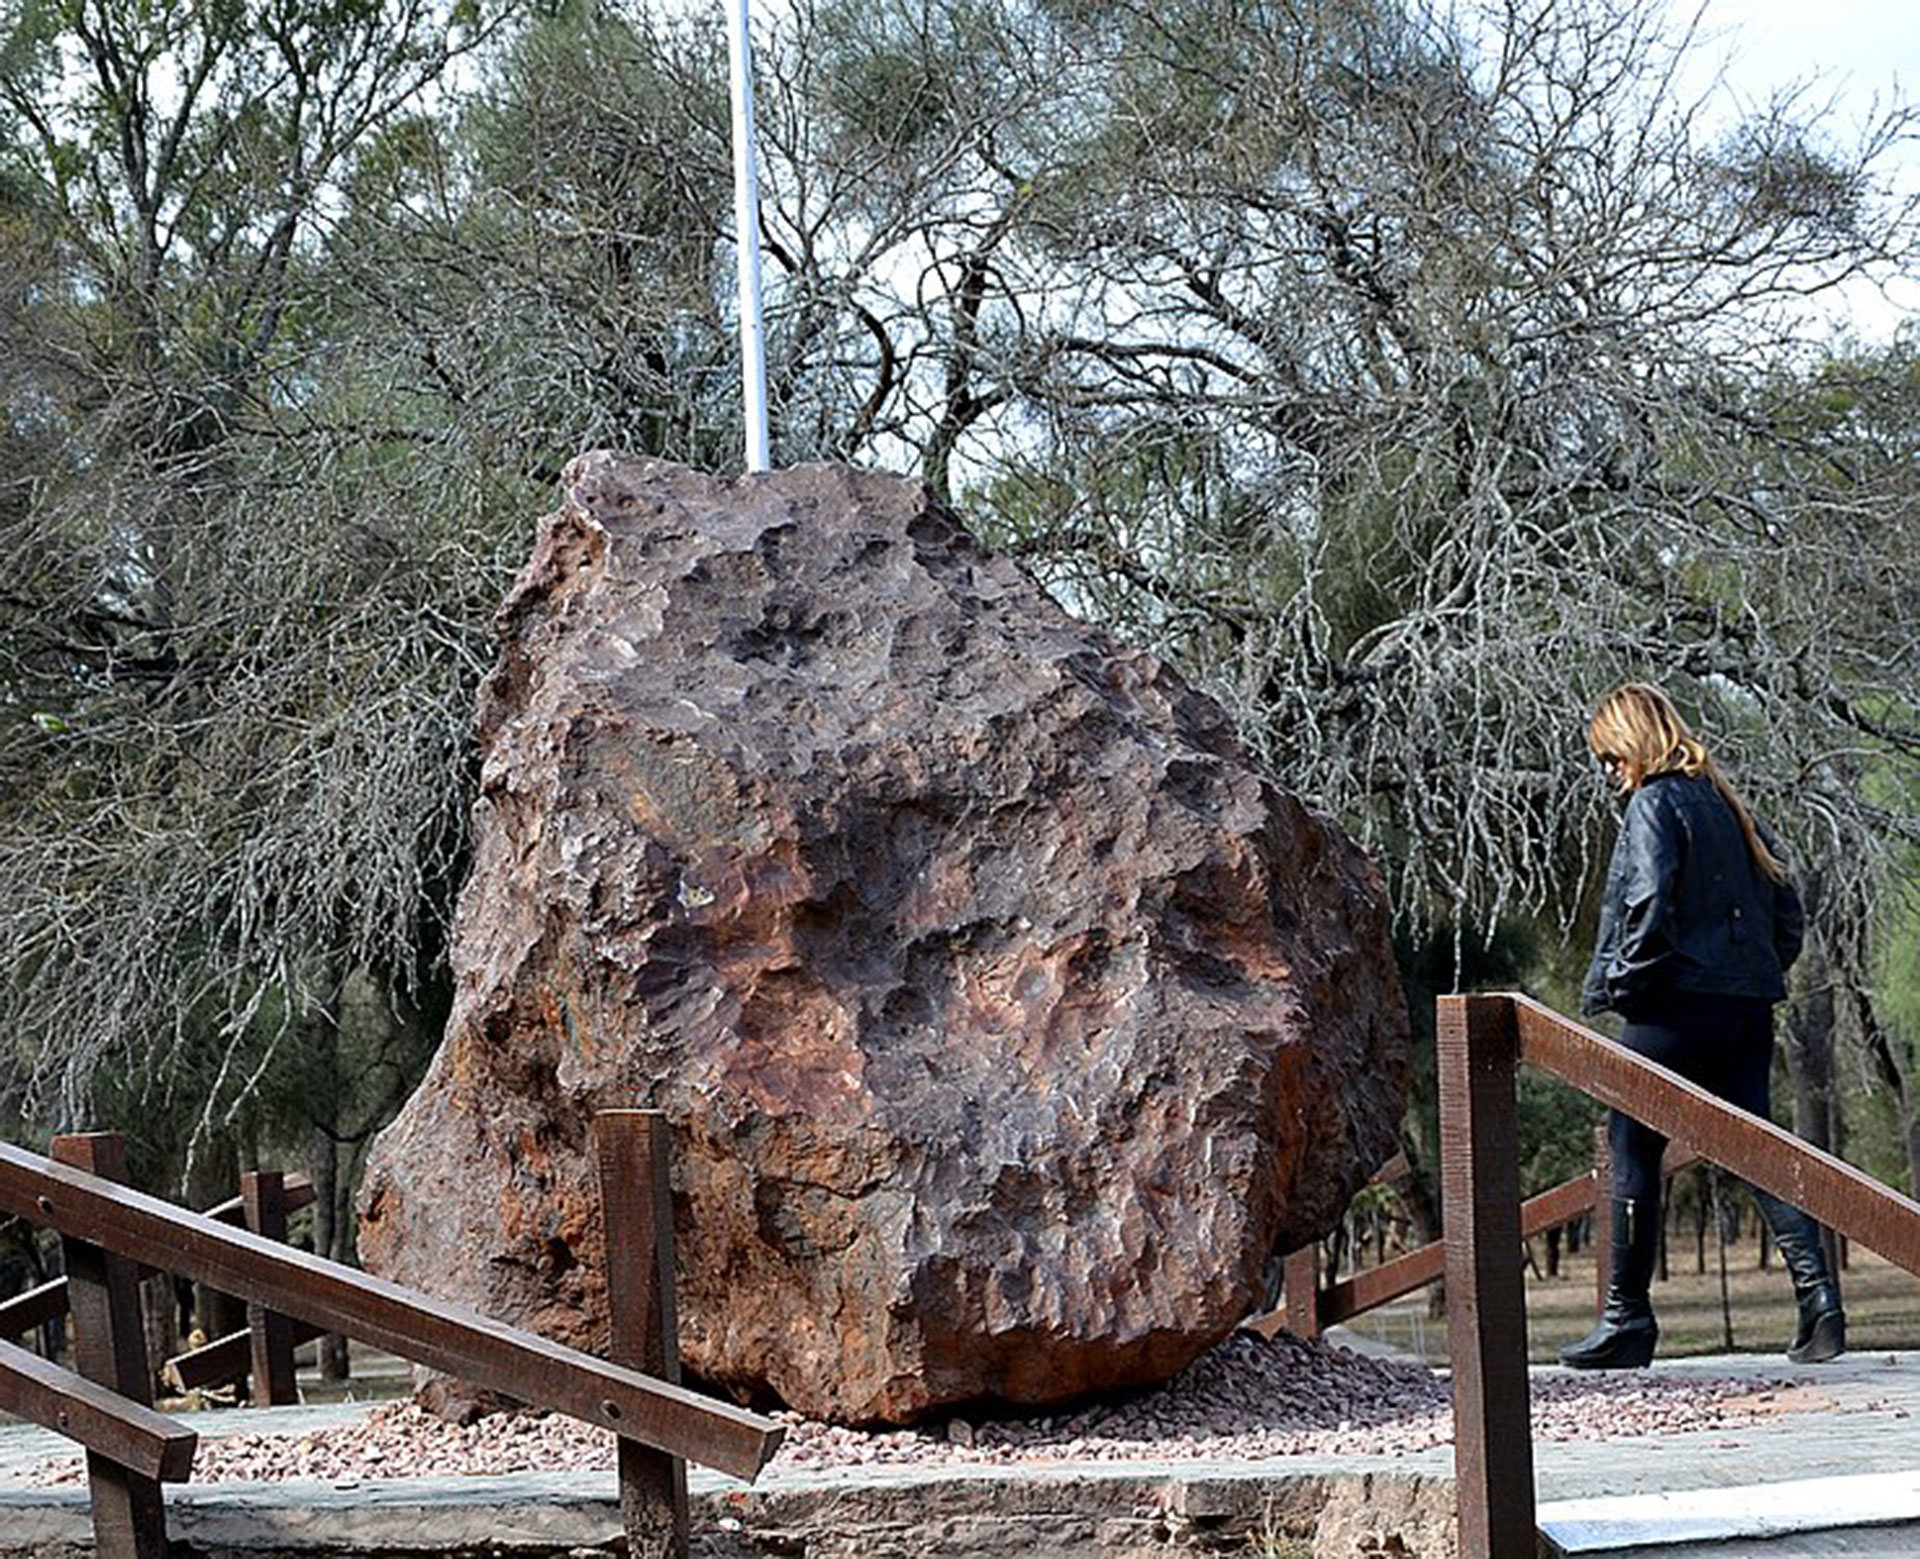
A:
(1822, 1332)
(1627, 1332)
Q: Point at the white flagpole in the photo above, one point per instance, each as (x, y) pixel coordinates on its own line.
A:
(746, 214)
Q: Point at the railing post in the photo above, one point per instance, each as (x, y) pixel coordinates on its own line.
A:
(1602, 1216)
(263, 1197)
(1486, 1294)
(1300, 1290)
(636, 1212)
(221, 1315)
(110, 1348)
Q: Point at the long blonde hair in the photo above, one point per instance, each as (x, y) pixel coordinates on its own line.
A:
(1637, 727)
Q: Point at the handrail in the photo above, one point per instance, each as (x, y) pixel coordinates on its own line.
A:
(1413, 1270)
(224, 1359)
(296, 1192)
(1405, 1274)
(442, 1336)
(136, 1437)
(1832, 1190)
(227, 1358)
(1481, 1040)
(35, 1307)
(110, 1232)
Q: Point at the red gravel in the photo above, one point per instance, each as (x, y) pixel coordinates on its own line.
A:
(1248, 1399)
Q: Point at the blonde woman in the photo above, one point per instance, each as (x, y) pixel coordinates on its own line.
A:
(1698, 927)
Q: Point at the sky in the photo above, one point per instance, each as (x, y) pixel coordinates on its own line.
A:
(1862, 44)
(1857, 49)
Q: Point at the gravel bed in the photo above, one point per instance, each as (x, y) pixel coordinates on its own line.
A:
(1248, 1399)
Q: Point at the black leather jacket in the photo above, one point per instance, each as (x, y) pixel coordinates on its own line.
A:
(1685, 908)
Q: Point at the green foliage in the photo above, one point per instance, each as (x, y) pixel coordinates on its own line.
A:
(1459, 958)
(1776, 173)
(1556, 1131)
(1899, 973)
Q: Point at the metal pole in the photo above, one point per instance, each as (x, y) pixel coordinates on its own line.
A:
(746, 213)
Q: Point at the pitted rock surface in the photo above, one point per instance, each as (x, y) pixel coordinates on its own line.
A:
(1007, 1018)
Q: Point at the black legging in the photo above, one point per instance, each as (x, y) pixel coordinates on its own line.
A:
(1723, 1043)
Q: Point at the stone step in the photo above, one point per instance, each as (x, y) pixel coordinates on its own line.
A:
(1872, 1513)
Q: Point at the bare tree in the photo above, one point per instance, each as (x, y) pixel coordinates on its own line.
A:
(227, 746)
(1410, 375)
(1405, 373)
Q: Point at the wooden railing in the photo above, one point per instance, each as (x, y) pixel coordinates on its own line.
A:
(1307, 1308)
(1481, 1041)
(262, 1353)
(109, 1232)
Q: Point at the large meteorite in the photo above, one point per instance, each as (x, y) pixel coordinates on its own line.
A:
(1008, 1018)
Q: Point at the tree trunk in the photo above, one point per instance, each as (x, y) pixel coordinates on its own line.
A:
(321, 1034)
(1892, 1064)
(1423, 1223)
(1810, 1036)
(157, 1311)
(323, 1167)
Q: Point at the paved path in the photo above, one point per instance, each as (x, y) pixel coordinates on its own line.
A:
(1857, 1419)
(1845, 1454)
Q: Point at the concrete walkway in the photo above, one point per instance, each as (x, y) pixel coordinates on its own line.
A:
(1843, 1457)
(1841, 1460)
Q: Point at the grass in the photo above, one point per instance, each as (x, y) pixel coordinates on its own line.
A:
(1883, 1307)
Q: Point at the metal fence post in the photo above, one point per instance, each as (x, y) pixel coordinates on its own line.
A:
(1486, 1293)
(110, 1348)
(636, 1211)
(263, 1197)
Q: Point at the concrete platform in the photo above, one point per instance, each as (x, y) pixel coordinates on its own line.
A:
(1867, 1505)
(1837, 1473)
